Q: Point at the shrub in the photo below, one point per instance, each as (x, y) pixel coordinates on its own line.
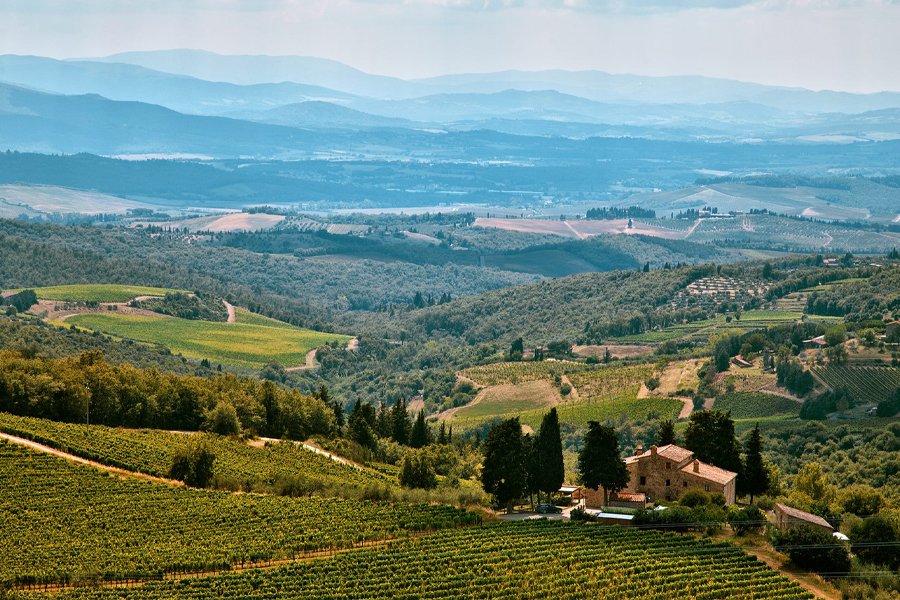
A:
(747, 520)
(223, 419)
(694, 498)
(193, 463)
(565, 389)
(813, 549)
(417, 472)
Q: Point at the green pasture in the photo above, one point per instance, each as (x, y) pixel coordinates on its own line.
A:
(249, 342)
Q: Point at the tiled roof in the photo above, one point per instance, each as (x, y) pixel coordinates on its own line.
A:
(623, 497)
(710, 472)
(674, 453)
(799, 515)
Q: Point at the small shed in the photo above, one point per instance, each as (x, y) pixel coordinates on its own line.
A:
(571, 491)
(623, 500)
(787, 518)
(741, 362)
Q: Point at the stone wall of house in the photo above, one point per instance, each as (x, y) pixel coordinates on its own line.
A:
(663, 479)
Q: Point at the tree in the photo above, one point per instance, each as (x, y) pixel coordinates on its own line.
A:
(503, 471)
(812, 482)
(755, 478)
(400, 422)
(517, 349)
(876, 540)
(360, 425)
(417, 472)
(599, 462)
(710, 436)
(223, 419)
(861, 500)
(549, 455)
(193, 463)
(813, 549)
(420, 436)
(836, 334)
(666, 434)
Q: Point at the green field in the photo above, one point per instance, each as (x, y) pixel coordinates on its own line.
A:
(97, 292)
(756, 405)
(152, 452)
(527, 561)
(63, 522)
(249, 342)
(503, 399)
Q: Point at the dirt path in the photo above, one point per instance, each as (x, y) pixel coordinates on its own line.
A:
(353, 345)
(671, 378)
(316, 449)
(577, 233)
(310, 362)
(693, 227)
(73, 458)
(813, 583)
(231, 314)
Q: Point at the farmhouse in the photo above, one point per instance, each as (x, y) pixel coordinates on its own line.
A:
(790, 518)
(737, 360)
(890, 330)
(665, 473)
(816, 342)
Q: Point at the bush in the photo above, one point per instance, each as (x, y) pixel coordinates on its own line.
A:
(694, 498)
(565, 389)
(193, 463)
(417, 472)
(717, 498)
(813, 549)
(862, 500)
(223, 419)
(875, 540)
(765, 503)
(579, 514)
(747, 520)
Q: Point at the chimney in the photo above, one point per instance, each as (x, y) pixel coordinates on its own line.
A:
(653, 450)
(696, 466)
(639, 450)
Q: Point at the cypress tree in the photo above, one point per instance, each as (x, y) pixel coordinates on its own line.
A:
(599, 462)
(755, 476)
(548, 446)
(419, 438)
(503, 471)
(400, 423)
(666, 433)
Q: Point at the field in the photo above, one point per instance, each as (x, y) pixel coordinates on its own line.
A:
(756, 405)
(246, 343)
(527, 560)
(580, 229)
(238, 221)
(52, 199)
(97, 292)
(151, 452)
(503, 399)
(864, 384)
(79, 522)
(519, 372)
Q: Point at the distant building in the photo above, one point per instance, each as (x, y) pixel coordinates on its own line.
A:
(816, 342)
(787, 518)
(737, 360)
(890, 330)
(665, 473)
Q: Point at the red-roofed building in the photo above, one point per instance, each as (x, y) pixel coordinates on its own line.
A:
(665, 473)
(787, 517)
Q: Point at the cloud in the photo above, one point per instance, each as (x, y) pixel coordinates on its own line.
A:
(626, 7)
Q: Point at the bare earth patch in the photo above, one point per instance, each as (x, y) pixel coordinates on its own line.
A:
(580, 229)
(616, 351)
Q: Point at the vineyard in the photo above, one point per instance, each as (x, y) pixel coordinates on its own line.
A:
(520, 372)
(526, 560)
(64, 522)
(152, 452)
(609, 382)
(97, 292)
(756, 405)
(863, 384)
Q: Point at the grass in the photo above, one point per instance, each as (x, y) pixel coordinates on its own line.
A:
(503, 399)
(245, 343)
(97, 292)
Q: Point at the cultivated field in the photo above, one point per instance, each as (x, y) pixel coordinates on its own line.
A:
(241, 343)
(504, 399)
(579, 229)
(528, 560)
(151, 452)
(97, 292)
(51, 199)
(222, 223)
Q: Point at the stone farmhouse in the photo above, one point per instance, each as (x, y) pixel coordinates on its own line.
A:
(664, 474)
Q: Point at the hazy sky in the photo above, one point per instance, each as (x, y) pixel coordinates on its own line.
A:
(851, 45)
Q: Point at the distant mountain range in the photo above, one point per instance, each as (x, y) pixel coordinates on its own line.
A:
(592, 85)
(311, 105)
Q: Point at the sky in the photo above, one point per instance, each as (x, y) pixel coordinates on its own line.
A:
(848, 45)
